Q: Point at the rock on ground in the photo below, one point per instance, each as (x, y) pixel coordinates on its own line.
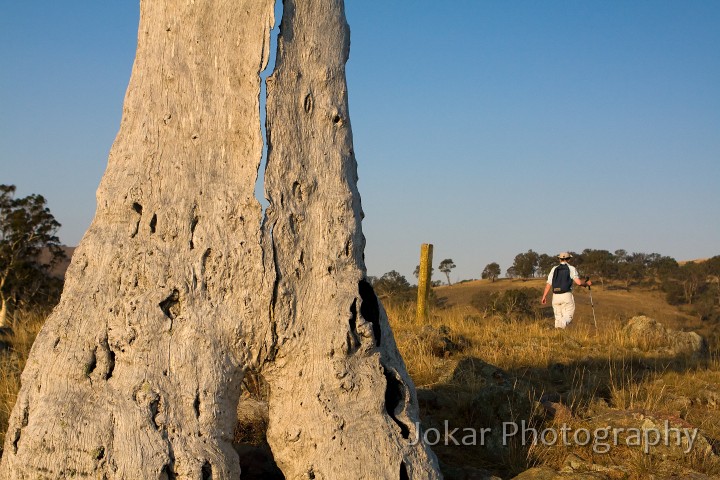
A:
(649, 334)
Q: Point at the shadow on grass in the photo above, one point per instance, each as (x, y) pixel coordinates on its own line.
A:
(481, 397)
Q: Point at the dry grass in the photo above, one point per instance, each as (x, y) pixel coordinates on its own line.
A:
(611, 301)
(592, 371)
(16, 342)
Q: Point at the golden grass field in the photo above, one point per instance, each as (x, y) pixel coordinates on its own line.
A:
(610, 303)
(587, 373)
(591, 372)
(16, 343)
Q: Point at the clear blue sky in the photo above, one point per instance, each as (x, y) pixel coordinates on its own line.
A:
(484, 127)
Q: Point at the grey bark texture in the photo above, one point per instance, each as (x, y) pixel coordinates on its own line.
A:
(180, 286)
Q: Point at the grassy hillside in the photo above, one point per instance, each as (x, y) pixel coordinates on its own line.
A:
(610, 301)
(481, 371)
(475, 372)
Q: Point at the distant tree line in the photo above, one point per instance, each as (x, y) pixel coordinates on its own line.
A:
(695, 284)
(602, 265)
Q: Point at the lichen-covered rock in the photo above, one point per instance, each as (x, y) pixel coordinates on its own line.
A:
(648, 334)
(441, 341)
(671, 438)
(180, 286)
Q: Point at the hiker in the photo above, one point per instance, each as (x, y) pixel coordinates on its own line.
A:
(560, 280)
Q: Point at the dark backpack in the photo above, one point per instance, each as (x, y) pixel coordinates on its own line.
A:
(561, 281)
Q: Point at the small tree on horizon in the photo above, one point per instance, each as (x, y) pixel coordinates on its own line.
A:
(598, 263)
(393, 285)
(445, 267)
(491, 271)
(525, 264)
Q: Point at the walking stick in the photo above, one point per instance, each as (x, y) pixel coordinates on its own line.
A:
(591, 302)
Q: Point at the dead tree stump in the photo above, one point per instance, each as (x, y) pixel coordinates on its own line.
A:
(180, 286)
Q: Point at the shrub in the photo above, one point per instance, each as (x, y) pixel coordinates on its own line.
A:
(512, 304)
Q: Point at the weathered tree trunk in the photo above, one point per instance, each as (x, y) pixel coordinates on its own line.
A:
(177, 289)
(342, 404)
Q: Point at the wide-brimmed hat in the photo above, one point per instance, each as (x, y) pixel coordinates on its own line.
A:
(564, 256)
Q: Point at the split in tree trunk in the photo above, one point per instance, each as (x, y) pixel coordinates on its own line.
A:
(180, 286)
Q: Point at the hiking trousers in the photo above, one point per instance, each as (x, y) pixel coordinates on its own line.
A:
(564, 308)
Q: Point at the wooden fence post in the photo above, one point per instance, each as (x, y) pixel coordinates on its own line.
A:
(426, 252)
